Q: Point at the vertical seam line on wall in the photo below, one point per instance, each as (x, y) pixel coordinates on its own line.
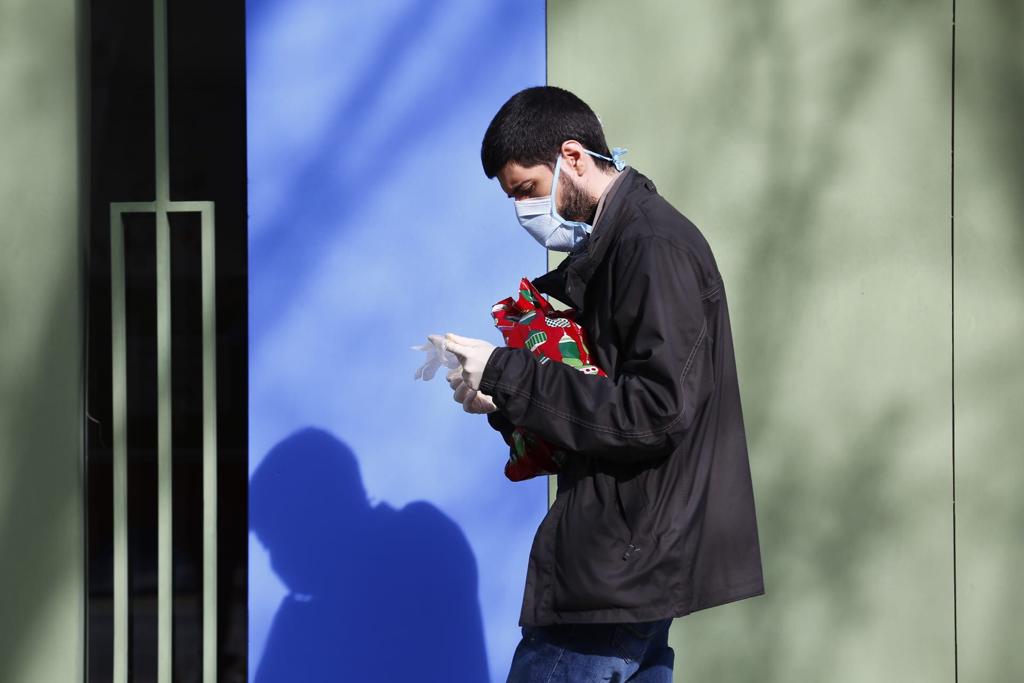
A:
(952, 314)
(83, 98)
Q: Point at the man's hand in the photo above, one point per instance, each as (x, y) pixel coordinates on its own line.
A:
(472, 401)
(472, 355)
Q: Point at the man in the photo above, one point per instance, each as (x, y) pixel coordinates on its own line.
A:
(654, 516)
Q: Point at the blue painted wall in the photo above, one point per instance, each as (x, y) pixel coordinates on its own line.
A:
(385, 531)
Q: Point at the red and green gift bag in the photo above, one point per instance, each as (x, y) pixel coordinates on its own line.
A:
(529, 321)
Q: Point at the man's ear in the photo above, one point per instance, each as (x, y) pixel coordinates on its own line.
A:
(573, 157)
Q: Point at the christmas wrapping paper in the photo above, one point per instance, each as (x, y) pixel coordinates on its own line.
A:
(529, 321)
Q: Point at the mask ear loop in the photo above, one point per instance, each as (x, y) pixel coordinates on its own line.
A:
(554, 189)
(615, 158)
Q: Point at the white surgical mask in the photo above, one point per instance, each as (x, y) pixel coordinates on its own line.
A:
(541, 219)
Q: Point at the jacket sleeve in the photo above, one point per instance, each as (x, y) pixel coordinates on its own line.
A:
(664, 372)
(500, 423)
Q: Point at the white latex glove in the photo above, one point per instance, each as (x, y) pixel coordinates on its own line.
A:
(472, 401)
(472, 355)
(436, 357)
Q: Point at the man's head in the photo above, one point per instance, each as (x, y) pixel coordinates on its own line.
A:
(305, 498)
(530, 131)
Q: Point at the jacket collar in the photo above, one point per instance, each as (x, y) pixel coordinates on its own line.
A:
(568, 282)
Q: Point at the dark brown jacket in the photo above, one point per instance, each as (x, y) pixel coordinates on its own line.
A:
(654, 515)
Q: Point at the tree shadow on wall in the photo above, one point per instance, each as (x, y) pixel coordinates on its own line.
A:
(375, 593)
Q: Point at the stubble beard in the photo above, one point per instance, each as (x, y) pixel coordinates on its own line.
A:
(579, 206)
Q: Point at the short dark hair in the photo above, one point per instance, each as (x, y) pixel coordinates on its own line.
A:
(530, 128)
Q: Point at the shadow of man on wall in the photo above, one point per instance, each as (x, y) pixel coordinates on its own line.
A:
(375, 593)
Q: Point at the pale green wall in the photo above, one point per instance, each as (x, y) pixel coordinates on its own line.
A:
(810, 141)
(41, 578)
(989, 315)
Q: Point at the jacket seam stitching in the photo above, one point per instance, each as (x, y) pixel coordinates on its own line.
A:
(609, 430)
(693, 351)
(711, 291)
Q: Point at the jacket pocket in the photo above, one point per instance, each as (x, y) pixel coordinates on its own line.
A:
(631, 502)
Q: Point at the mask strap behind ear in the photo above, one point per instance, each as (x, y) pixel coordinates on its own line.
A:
(615, 158)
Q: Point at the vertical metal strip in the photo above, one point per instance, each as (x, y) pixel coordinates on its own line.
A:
(164, 529)
(209, 449)
(160, 101)
(119, 409)
(164, 503)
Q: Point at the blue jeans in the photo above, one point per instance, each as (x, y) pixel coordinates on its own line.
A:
(579, 653)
